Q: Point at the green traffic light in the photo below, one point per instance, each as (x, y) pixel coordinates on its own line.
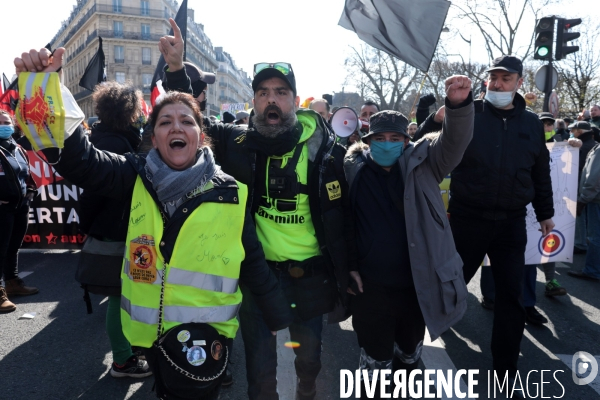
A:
(542, 51)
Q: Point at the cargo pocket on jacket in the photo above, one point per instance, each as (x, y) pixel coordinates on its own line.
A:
(452, 285)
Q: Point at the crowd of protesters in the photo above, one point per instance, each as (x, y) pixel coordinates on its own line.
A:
(312, 227)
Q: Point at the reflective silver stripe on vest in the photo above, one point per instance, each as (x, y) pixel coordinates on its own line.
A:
(201, 314)
(180, 314)
(146, 315)
(202, 281)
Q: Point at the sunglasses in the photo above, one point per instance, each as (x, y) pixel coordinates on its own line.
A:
(284, 68)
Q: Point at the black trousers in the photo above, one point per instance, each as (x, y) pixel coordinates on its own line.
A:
(504, 242)
(385, 319)
(13, 226)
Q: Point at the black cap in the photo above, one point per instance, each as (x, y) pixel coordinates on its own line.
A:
(583, 125)
(546, 115)
(227, 117)
(269, 73)
(507, 63)
(388, 121)
(198, 78)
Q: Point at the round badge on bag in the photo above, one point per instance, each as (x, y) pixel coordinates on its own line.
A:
(183, 336)
(216, 350)
(196, 356)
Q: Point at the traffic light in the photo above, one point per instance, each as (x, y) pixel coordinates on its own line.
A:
(544, 35)
(563, 36)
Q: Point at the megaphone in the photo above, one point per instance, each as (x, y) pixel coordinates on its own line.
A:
(345, 122)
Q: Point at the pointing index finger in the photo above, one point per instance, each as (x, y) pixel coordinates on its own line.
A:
(176, 30)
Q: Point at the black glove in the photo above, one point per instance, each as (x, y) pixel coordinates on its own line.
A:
(426, 101)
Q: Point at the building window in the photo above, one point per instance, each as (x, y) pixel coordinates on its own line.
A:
(120, 77)
(118, 28)
(146, 82)
(145, 31)
(146, 56)
(145, 7)
(119, 55)
(118, 6)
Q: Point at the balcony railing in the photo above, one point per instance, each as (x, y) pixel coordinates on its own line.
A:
(119, 60)
(129, 35)
(145, 12)
(76, 27)
(223, 84)
(92, 36)
(77, 51)
(146, 62)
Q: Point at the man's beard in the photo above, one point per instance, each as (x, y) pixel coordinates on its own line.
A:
(286, 122)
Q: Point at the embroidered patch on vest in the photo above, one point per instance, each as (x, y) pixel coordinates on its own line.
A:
(142, 256)
(333, 190)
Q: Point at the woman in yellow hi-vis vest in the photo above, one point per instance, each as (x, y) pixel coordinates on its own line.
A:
(189, 242)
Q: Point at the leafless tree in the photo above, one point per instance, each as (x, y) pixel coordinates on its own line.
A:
(503, 24)
(579, 73)
(379, 76)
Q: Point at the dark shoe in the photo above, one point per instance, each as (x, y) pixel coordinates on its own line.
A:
(487, 304)
(577, 250)
(16, 287)
(133, 368)
(553, 288)
(581, 275)
(305, 390)
(6, 305)
(534, 317)
(228, 379)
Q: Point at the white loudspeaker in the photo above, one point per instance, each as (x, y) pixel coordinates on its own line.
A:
(344, 121)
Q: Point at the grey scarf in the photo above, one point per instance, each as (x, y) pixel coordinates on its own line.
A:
(171, 185)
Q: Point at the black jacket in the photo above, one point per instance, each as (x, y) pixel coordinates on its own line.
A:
(111, 175)
(588, 143)
(101, 217)
(331, 217)
(10, 183)
(505, 167)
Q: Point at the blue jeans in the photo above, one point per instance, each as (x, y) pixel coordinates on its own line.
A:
(581, 230)
(592, 258)
(261, 346)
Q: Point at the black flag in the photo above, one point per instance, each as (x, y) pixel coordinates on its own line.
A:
(94, 72)
(406, 29)
(181, 21)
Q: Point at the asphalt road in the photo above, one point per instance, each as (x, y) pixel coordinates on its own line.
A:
(64, 353)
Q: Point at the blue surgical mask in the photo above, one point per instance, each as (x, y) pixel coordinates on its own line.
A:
(6, 131)
(386, 153)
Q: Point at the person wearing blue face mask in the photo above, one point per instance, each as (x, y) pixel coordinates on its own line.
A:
(17, 188)
(405, 245)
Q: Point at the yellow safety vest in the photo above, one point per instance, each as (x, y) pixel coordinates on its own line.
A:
(201, 278)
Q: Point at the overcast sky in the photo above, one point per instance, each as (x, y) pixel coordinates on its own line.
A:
(305, 34)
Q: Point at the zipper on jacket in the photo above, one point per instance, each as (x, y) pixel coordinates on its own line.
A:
(505, 125)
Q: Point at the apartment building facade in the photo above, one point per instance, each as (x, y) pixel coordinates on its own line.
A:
(130, 30)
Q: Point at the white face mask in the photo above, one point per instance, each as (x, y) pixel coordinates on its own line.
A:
(500, 99)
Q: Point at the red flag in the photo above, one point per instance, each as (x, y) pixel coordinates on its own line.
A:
(8, 100)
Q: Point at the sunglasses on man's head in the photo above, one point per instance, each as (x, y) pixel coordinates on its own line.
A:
(284, 68)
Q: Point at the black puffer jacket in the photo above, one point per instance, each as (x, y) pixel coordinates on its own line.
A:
(111, 175)
(101, 217)
(505, 167)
